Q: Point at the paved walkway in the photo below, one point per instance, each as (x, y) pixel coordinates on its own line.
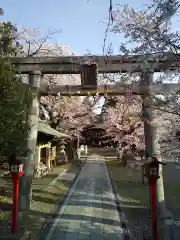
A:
(89, 211)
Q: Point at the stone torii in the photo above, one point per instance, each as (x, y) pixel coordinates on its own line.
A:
(88, 68)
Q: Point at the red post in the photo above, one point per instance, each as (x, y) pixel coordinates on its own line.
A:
(15, 204)
(152, 185)
(152, 173)
(17, 171)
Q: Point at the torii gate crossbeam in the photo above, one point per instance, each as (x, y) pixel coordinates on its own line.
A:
(109, 64)
(99, 64)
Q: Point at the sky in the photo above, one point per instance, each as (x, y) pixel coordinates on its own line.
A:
(81, 23)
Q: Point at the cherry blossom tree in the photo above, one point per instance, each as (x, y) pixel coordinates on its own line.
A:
(71, 115)
(151, 31)
(123, 121)
(67, 114)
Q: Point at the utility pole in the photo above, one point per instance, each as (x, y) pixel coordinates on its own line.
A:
(151, 140)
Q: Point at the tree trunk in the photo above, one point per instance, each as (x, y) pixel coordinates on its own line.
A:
(74, 148)
(78, 152)
(124, 158)
(69, 151)
(142, 175)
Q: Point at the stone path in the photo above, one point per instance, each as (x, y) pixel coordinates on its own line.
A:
(89, 211)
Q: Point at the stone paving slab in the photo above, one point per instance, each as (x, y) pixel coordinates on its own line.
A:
(67, 177)
(89, 211)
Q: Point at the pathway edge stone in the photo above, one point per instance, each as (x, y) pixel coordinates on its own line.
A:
(48, 223)
(124, 224)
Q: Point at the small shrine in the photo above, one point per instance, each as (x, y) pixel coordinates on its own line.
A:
(48, 149)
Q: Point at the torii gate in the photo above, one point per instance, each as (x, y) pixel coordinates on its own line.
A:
(111, 64)
(88, 67)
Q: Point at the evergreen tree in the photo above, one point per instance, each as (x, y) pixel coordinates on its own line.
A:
(14, 97)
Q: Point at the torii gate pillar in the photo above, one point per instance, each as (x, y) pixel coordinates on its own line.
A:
(151, 143)
(33, 118)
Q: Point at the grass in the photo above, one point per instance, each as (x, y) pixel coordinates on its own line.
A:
(171, 177)
(43, 204)
(134, 197)
(108, 152)
(5, 203)
(172, 189)
(45, 197)
(129, 179)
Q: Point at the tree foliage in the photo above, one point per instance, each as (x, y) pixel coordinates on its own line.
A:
(123, 121)
(69, 115)
(152, 31)
(14, 97)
